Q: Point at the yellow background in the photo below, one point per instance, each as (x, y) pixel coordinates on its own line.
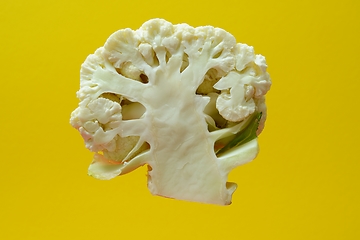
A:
(304, 184)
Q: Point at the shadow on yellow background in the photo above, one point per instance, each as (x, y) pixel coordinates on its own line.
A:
(303, 185)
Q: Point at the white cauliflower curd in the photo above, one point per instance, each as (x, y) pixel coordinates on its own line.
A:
(188, 102)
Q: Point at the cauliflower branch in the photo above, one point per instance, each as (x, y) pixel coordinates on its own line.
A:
(188, 102)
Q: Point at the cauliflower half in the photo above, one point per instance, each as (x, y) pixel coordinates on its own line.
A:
(188, 102)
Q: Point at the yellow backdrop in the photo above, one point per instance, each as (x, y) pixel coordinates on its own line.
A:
(304, 184)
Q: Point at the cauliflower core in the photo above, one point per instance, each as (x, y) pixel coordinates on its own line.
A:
(188, 102)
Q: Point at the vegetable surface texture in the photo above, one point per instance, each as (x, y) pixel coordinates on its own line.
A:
(187, 102)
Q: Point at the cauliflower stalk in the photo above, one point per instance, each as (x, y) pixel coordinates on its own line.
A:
(188, 102)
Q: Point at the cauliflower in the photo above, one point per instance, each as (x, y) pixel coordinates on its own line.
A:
(187, 102)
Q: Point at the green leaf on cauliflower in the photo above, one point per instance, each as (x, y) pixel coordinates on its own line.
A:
(245, 135)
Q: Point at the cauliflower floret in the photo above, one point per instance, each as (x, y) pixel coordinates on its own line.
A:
(98, 123)
(244, 55)
(231, 103)
(241, 87)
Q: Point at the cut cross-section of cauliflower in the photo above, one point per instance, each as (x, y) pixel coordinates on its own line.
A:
(188, 102)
